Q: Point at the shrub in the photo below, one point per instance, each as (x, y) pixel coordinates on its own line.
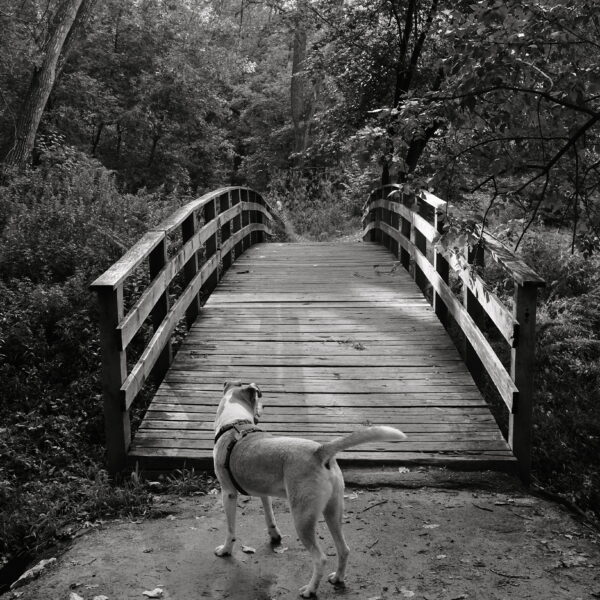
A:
(62, 224)
(318, 206)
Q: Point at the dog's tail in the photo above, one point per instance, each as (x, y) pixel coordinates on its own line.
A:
(375, 433)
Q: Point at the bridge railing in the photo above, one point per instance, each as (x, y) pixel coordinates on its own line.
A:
(213, 231)
(410, 226)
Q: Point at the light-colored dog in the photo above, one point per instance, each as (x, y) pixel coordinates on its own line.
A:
(303, 471)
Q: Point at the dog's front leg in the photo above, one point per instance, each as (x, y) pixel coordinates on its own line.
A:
(230, 505)
(272, 528)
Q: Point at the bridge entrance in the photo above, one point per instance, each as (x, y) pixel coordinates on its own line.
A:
(336, 336)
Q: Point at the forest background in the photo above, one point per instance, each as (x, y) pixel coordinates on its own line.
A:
(114, 112)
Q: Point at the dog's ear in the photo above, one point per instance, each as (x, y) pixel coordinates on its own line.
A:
(254, 394)
(256, 389)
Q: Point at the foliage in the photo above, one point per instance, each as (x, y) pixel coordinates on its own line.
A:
(64, 223)
(567, 410)
(320, 206)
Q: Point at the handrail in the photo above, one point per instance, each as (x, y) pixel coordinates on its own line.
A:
(215, 229)
(409, 225)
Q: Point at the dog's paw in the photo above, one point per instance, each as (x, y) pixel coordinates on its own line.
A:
(335, 580)
(223, 550)
(275, 540)
(306, 592)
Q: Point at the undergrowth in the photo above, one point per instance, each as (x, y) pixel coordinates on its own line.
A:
(61, 225)
(320, 208)
(566, 443)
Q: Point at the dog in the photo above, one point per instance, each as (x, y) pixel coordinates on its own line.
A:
(253, 462)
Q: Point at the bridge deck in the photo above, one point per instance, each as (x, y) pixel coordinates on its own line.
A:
(335, 337)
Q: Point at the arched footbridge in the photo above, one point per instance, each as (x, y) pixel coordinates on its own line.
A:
(337, 335)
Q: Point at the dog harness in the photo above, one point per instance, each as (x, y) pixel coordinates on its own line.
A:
(242, 428)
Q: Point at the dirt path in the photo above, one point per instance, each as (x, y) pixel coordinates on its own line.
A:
(441, 536)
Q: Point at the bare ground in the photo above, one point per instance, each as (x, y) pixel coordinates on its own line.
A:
(430, 535)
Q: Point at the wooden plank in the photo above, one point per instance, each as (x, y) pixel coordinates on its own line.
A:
(119, 271)
(521, 272)
(494, 308)
(431, 398)
(423, 446)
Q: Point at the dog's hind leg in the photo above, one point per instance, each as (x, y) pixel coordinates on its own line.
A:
(305, 520)
(333, 514)
(272, 528)
(230, 505)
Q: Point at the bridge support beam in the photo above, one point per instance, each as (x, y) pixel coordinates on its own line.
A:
(522, 370)
(114, 372)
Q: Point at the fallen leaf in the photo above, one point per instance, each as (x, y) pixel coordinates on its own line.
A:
(441, 556)
(214, 492)
(170, 517)
(403, 470)
(248, 549)
(431, 526)
(155, 593)
(406, 593)
(74, 596)
(279, 549)
(352, 496)
(100, 598)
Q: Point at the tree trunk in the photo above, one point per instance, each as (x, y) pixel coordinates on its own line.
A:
(300, 92)
(41, 85)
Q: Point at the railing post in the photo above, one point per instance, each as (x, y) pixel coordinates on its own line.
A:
(225, 229)
(443, 269)
(211, 248)
(420, 241)
(247, 240)
(237, 222)
(114, 372)
(157, 260)
(521, 370)
(395, 224)
(371, 217)
(475, 258)
(406, 230)
(188, 229)
(260, 237)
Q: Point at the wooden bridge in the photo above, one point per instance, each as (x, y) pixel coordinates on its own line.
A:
(336, 335)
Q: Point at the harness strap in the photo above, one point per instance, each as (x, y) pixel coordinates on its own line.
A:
(230, 426)
(240, 435)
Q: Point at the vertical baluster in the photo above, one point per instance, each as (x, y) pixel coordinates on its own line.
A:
(114, 372)
(211, 247)
(443, 269)
(224, 204)
(521, 370)
(188, 229)
(237, 222)
(420, 241)
(157, 260)
(475, 258)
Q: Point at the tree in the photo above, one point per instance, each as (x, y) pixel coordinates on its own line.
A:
(373, 55)
(60, 33)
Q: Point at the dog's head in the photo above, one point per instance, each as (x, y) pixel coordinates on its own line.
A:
(247, 393)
